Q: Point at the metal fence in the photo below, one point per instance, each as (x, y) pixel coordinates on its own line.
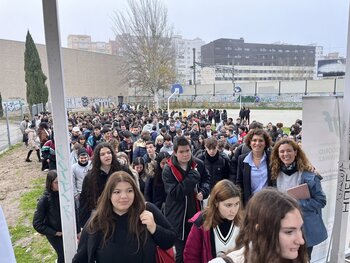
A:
(10, 133)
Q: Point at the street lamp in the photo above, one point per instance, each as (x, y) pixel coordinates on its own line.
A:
(194, 72)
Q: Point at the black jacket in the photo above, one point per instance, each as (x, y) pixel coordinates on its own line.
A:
(179, 192)
(47, 216)
(164, 237)
(218, 166)
(244, 176)
(154, 191)
(242, 149)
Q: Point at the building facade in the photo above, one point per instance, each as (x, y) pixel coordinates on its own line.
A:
(87, 74)
(187, 51)
(233, 59)
(83, 42)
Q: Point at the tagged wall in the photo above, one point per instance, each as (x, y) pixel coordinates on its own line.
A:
(85, 73)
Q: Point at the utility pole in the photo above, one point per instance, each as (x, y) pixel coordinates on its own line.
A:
(233, 74)
(194, 72)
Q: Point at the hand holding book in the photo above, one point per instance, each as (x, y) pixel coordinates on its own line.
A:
(299, 192)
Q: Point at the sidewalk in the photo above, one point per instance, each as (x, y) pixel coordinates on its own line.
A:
(15, 135)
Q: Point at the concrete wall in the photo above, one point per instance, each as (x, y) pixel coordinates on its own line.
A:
(85, 73)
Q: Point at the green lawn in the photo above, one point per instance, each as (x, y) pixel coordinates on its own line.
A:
(30, 246)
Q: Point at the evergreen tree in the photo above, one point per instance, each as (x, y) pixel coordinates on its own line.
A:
(37, 91)
(1, 108)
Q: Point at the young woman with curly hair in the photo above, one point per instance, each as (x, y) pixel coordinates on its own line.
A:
(289, 168)
(253, 171)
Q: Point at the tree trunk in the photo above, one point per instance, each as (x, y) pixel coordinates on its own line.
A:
(156, 100)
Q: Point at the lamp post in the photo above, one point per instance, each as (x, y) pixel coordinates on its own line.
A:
(194, 72)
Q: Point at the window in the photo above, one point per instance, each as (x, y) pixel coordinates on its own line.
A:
(246, 49)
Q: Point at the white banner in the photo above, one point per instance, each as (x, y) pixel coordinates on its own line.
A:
(321, 142)
(6, 250)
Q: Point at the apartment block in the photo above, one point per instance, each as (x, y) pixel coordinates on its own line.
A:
(236, 60)
(185, 49)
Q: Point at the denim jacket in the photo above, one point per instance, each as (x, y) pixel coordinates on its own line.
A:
(314, 228)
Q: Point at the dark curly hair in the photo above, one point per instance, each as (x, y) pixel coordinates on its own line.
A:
(93, 186)
(259, 132)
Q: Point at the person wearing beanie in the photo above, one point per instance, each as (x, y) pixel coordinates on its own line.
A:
(79, 171)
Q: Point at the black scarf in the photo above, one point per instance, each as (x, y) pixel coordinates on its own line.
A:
(289, 169)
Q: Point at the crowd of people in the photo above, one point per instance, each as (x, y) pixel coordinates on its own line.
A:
(210, 187)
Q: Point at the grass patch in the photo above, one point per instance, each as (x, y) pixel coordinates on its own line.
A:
(19, 231)
(29, 246)
(286, 130)
(11, 149)
(28, 201)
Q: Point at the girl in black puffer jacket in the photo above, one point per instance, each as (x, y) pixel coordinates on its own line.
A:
(47, 217)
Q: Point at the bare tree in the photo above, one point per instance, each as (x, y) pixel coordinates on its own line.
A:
(146, 40)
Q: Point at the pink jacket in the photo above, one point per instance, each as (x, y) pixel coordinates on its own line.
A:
(198, 246)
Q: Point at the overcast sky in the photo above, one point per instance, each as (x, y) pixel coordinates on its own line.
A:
(290, 21)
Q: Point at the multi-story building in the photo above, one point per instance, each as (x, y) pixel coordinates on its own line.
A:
(318, 56)
(185, 48)
(83, 42)
(233, 59)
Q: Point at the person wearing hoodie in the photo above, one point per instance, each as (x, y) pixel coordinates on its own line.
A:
(79, 171)
(49, 152)
(148, 126)
(168, 145)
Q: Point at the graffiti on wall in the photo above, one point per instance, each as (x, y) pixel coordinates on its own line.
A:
(85, 102)
(13, 105)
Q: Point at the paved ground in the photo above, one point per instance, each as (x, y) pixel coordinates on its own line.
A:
(15, 135)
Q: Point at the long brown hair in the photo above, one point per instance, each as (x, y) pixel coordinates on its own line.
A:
(261, 226)
(93, 186)
(103, 219)
(222, 191)
(303, 163)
